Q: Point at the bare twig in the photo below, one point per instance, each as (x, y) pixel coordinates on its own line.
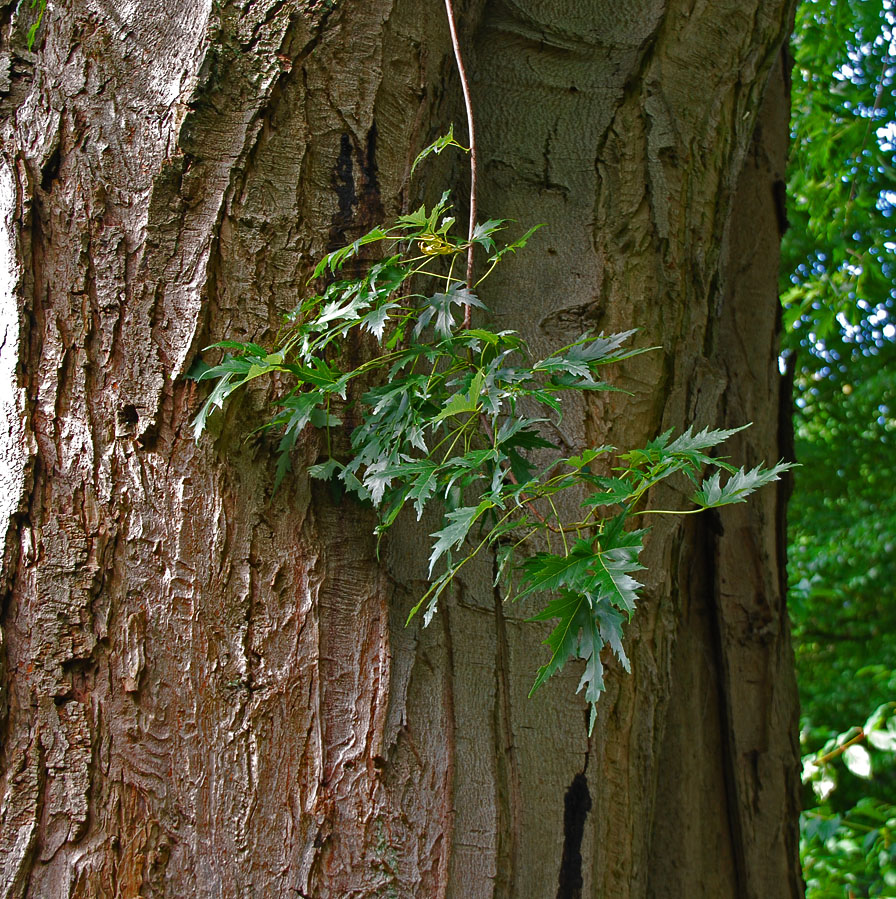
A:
(468, 103)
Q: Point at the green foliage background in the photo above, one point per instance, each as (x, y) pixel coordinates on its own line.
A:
(838, 288)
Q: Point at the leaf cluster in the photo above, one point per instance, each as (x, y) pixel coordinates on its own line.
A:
(848, 846)
(461, 418)
(839, 295)
(839, 256)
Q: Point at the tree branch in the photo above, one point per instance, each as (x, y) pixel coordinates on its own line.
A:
(840, 749)
(468, 103)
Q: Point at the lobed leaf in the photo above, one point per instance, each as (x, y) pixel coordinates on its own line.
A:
(455, 532)
(438, 146)
(740, 485)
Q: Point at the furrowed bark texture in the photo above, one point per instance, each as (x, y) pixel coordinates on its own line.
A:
(207, 687)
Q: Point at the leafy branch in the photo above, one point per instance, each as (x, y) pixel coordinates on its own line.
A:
(456, 417)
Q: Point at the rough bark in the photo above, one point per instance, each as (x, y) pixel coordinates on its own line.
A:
(207, 687)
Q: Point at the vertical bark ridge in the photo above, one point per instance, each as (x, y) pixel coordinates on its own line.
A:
(447, 859)
(714, 532)
(508, 796)
(750, 583)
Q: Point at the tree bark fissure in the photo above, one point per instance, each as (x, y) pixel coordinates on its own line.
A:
(576, 805)
(714, 533)
(508, 797)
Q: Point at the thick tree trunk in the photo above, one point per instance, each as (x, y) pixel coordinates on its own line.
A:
(208, 689)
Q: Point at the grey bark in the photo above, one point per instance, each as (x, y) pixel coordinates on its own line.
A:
(207, 687)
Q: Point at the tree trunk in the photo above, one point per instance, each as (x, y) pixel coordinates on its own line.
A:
(207, 686)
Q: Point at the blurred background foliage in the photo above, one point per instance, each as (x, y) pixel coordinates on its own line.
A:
(838, 289)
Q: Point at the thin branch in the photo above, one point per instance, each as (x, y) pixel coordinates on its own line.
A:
(468, 103)
(840, 749)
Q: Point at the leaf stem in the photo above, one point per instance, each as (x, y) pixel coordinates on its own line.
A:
(559, 524)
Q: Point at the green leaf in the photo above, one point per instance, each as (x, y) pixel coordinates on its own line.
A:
(521, 432)
(613, 491)
(547, 571)
(516, 245)
(663, 456)
(335, 260)
(689, 441)
(438, 146)
(586, 457)
(617, 562)
(858, 761)
(431, 597)
(35, 26)
(600, 568)
(482, 233)
(455, 532)
(439, 306)
(225, 386)
(424, 486)
(610, 623)
(325, 470)
(458, 404)
(574, 367)
(574, 611)
(297, 409)
(740, 485)
(375, 321)
(576, 636)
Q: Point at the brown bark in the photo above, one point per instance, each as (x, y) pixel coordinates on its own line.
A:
(208, 689)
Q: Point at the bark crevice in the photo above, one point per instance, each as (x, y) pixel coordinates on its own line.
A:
(576, 806)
